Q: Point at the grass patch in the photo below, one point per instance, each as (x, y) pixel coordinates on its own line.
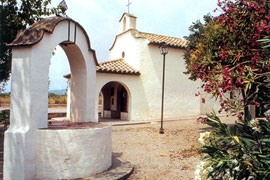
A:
(57, 99)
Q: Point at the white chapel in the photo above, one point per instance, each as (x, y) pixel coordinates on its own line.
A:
(129, 85)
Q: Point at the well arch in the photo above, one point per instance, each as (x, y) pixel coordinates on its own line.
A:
(32, 50)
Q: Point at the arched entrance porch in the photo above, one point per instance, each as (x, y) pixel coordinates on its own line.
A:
(114, 102)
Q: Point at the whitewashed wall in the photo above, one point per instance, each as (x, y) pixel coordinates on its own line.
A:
(179, 99)
(128, 44)
(145, 90)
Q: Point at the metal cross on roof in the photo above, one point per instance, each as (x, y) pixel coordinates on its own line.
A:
(129, 3)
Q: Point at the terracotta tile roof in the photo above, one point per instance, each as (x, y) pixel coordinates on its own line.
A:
(117, 66)
(158, 39)
(35, 32)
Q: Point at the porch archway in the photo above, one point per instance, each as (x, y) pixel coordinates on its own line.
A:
(115, 101)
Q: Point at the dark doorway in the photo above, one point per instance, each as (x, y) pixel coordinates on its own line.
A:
(115, 101)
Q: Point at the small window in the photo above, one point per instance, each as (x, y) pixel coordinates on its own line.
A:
(123, 54)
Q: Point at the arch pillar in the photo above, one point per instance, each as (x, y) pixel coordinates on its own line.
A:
(27, 114)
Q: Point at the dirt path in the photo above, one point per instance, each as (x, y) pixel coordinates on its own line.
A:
(171, 156)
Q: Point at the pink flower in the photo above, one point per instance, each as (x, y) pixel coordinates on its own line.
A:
(252, 5)
(203, 100)
(225, 70)
(238, 82)
(257, 104)
(254, 60)
(240, 116)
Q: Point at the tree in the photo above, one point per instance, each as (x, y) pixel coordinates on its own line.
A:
(230, 53)
(224, 53)
(14, 16)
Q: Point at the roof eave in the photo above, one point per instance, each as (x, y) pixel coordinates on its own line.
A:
(119, 72)
(116, 37)
(169, 45)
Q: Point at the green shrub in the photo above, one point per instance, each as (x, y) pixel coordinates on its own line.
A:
(4, 116)
(238, 152)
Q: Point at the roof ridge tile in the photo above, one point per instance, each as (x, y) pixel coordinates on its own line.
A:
(158, 39)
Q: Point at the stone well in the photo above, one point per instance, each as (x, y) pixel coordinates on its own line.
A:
(73, 150)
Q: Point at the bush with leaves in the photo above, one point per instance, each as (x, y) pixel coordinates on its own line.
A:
(14, 16)
(4, 116)
(238, 152)
(230, 53)
(224, 53)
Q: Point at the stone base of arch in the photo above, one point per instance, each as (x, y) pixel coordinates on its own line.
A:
(64, 154)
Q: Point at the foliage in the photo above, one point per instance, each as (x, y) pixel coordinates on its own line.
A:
(52, 98)
(14, 16)
(230, 53)
(225, 54)
(265, 42)
(4, 116)
(241, 152)
(57, 99)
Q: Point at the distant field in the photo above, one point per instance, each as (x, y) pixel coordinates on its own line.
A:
(57, 99)
(5, 98)
(52, 99)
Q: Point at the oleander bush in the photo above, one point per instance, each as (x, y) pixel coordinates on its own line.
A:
(238, 152)
(230, 53)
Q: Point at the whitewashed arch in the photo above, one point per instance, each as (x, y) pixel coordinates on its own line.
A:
(32, 50)
(128, 94)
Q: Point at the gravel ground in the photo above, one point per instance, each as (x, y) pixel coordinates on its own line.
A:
(170, 156)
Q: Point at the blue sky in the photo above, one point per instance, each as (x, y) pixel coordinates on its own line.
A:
(100, 19)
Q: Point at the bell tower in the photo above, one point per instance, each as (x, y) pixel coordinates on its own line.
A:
(127, 22)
